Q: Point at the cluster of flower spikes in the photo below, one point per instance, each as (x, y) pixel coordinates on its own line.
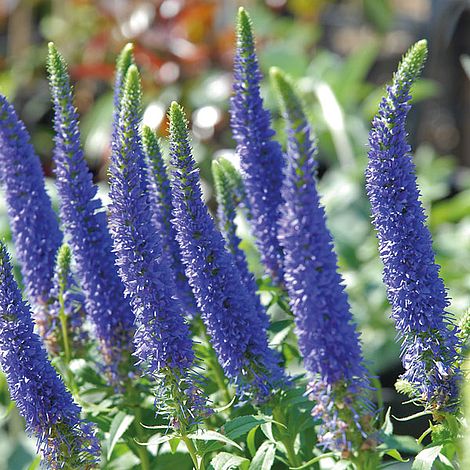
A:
(415, 290)
(238, 336)
(261, 158)
(339, 380)
(85, 222)
(160, 199)
(228, 189)
(33, 222)
(40, 395)
(162, 338)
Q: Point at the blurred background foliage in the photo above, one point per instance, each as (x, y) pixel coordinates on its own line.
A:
(340, 52)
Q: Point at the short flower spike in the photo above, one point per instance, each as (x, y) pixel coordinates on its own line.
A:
(415, 290)
(40, 395)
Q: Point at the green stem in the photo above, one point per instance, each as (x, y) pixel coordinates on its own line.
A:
(142, 451)
(192, 451)
(215, 366)
(63, 324)
(286, 438)
(143, 456)
(380, 401)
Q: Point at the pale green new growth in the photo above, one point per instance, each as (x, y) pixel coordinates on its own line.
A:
(178, 122)
(132, 92)
(57, 67)
(125, 60)
(64, 261)
(221, 182)
(411, 65)
(245, 40)
(290, 102)
(150, 141)
(404, 387)
(463, 330)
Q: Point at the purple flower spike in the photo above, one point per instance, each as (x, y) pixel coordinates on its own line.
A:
(162, 338)
(415, 290)
(328, 339)
(261, 157)
(85, 222)
(228, 198)
(33, 221)
(160, 198)
(64, 440)
(228, 311)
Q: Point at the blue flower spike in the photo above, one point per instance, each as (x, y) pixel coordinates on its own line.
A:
(229, 188)
(62, 437)
(160, 199)
(328, 340)
(86, 225)
(162, 339)
(415, 291)
(33, 222)
(237, 334)
(261, 157)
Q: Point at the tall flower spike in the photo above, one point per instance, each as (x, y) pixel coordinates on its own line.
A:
(33, 221)
(40, 395)
(228, 194)
(338, 378)
(261, 157)
(85, 222)
(160, 198)
(162, 338)
(415, 290)
(228, 310)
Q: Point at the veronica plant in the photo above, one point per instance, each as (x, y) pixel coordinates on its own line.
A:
(415, 290)
(261, 157)
(85, 223)
(237, 334)
(62, 437)
(160, 199)
(162, 340)
(338, 378)
(33, 222)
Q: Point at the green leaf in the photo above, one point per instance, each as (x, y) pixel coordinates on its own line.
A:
(226, 461)
(118, 427)
(426, 458)
(387, 426)
(153, 441)
(213, 436)
(264, 458)
(396, 455)
(406, 444)
(174, 444)
(35, 463)
(242, 425)
(267, 429)
(251, 441)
